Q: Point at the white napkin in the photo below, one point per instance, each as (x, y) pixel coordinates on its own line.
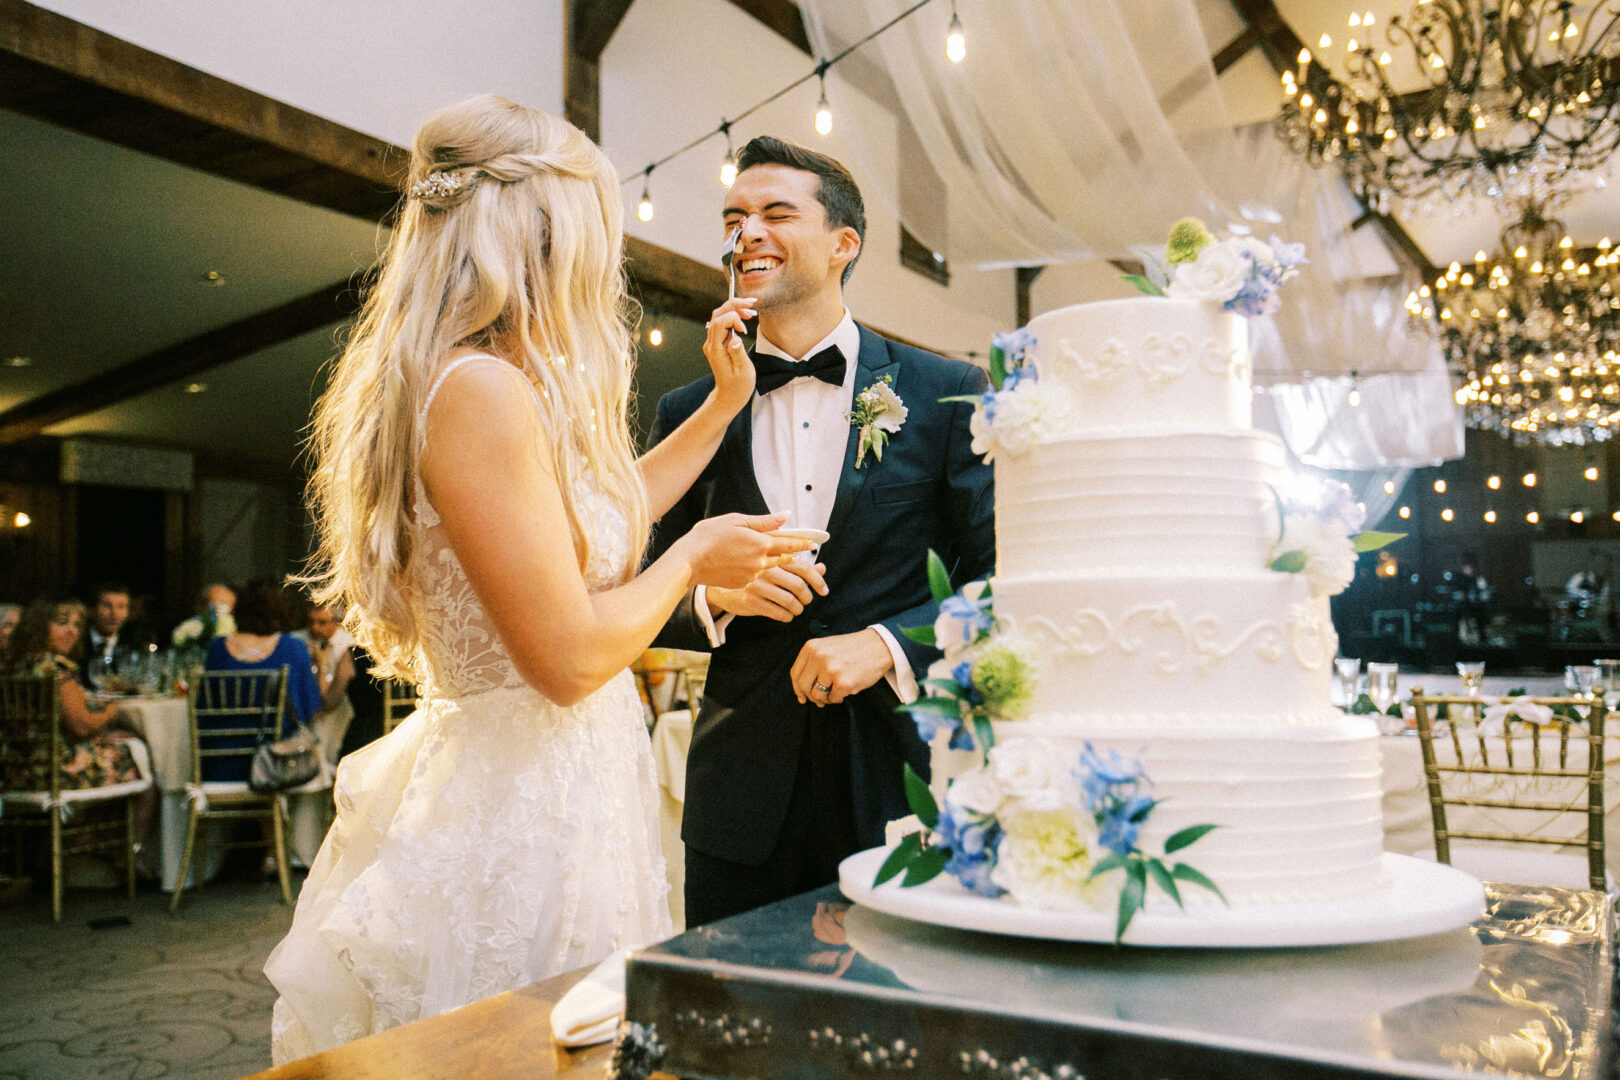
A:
(1496, 716)
(591, 1011)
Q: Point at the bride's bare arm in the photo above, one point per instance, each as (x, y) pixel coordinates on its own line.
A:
(671, 467)
(490, 482)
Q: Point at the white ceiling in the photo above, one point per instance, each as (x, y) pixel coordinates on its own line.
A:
(105, 250)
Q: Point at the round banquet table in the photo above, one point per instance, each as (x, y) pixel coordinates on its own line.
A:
(162, 722)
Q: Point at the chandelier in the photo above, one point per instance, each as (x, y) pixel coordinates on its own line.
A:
(1535, 332)
(1517, 100)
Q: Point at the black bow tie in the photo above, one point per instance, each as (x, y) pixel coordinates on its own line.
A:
(774, 372)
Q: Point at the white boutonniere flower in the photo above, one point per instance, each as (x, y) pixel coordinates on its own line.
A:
(878, 413)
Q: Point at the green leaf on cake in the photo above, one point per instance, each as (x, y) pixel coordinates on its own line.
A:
(936, 706)
(921, 800)
(926, 867)
(922, 635)
(1289, 562)
(1104, 865)
(1131, 897)
(1190, 835)
(1142, 283)
(1163, 878)
(985, 734)
(939, 578)
(1372, 541)
(1183, 872)
(907, 849)
(998, 366)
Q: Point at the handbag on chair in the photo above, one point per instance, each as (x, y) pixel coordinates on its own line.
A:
(285, 763)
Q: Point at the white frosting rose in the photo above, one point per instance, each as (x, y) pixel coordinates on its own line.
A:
(1218, 274)
(1020, 421)
(1330, 557)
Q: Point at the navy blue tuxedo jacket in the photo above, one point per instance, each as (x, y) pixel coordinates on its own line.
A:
(929, 491)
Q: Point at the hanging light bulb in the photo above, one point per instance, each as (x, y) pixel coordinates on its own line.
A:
(1355, 391)
(655, 336)
(823, 110)
(644, 209)
(728, 167)
(955, 43)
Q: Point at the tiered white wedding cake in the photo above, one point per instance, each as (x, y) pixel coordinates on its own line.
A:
(1137, 515)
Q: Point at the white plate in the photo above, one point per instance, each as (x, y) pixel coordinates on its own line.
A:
(815, 536)
(1419, 898)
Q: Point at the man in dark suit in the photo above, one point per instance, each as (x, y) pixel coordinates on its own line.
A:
(797, 754)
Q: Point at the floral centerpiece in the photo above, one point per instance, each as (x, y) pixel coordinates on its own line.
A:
(1028, 822)
(192, 637)
(1243, 274)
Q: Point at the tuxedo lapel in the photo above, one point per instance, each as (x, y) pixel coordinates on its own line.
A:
(874, 362)
(737, 458)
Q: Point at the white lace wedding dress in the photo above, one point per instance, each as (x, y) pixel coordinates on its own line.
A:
(491, 840)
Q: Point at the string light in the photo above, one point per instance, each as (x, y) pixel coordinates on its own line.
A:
(644, 209)
(1591, 472)
(1406, 512)
(1494, 483)
(1446, 514)
(823, 110)
(955, 43)
(1577, 517)
(1389, 487)
(1355, 391)
(1490, 517)
(1439, 487)
(1529, 479)
(1532, 517)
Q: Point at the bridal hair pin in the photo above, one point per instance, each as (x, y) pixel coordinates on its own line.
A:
(438, 185)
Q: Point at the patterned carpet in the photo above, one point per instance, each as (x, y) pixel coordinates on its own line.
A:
(159, 996)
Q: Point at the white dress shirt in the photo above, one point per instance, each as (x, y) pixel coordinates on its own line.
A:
(800, 432)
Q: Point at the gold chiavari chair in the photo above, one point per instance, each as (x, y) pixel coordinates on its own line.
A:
(31, 748)
(1506, 780)
(671, 679)
(231, 712)
(399, 701)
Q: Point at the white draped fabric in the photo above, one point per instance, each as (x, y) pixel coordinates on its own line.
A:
(1403, 420)
(1054, 139)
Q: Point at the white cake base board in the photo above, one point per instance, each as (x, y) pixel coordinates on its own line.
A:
(1420, 898)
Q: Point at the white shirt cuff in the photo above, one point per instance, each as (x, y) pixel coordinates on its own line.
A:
(901, 680)
(714, 629)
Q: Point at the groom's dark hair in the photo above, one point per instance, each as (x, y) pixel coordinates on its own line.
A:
(839, 195)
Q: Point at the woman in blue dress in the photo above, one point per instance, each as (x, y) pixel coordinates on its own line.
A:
(260, 642)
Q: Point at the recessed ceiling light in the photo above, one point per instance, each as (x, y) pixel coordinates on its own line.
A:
(213, 279)
(196, 387)
(18, 361)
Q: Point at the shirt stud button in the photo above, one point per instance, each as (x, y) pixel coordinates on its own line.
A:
(807, 487)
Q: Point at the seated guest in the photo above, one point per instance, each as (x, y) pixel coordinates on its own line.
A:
(329, 646)
(109, 630)
(9, 614)
(258, 642)
(48, 641)
(216, 597)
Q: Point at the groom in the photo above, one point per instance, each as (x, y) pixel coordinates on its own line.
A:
(797, 754)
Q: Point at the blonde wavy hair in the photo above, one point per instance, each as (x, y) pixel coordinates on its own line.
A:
(510, 242)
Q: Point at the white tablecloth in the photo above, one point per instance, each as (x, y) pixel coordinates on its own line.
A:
(162, 722)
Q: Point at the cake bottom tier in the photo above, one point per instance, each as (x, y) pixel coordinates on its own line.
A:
(1298, 806)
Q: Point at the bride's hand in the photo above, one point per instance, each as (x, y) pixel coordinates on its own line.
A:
(728, 360)
(731, 550)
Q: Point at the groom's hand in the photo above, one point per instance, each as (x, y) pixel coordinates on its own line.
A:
(781, 593)
(830, 669)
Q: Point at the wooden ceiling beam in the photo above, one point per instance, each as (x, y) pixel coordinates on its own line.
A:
(184, 360)
(75, 76)
(1281, 47)
(782, 16)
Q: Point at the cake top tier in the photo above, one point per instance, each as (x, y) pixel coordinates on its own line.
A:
(1146, 362)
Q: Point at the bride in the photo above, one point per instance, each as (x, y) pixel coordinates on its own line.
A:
(481, 513)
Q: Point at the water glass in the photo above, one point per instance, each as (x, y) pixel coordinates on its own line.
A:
(1609, 679)
(1381, 687)
(1472, 674)
(1586, 679)
(1346, 678)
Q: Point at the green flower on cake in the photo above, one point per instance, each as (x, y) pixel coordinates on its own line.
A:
(1188, 237)
(1005, 679)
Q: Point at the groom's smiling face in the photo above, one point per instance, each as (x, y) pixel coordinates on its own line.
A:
(788, 254)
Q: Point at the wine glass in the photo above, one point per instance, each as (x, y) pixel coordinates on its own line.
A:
(1586, 680)
(1346, 676)
(1609, 679)
(1472, 674)
(1381, 687)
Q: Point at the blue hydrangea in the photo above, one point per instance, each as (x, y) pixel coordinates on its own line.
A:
(973, 840)
(1100, 773)
(1260, 293)
(1120, 821)
(972, 616)
(963, 674)
(1287, 254)
(1014, 344)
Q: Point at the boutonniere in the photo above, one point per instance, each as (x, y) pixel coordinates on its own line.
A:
(878, 412)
